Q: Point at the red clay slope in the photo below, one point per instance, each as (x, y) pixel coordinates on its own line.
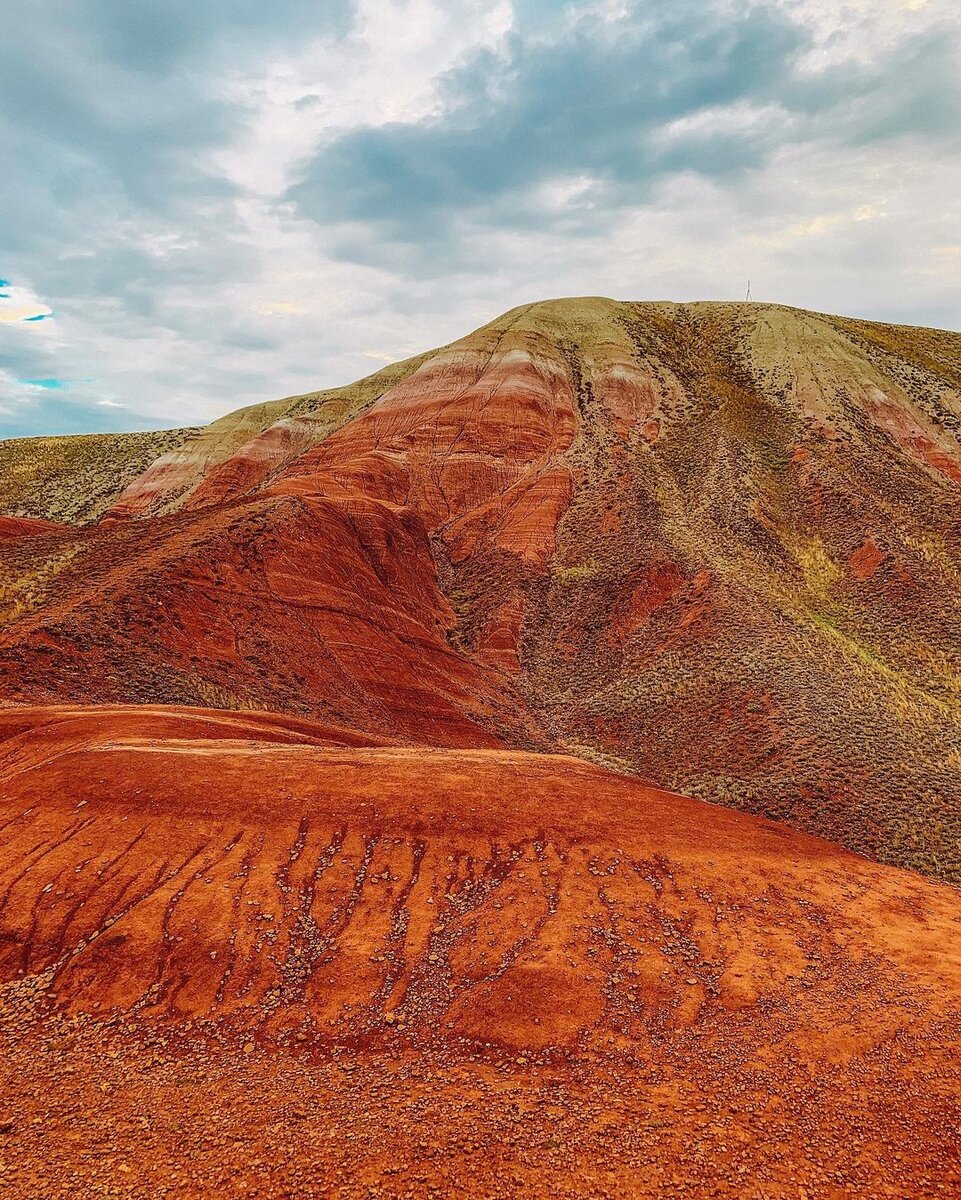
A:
(543, 975)
(24, 527)
(322, 593)
(326, 605)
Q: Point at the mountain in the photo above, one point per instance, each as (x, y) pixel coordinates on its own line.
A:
(342, 751)
(714, 545)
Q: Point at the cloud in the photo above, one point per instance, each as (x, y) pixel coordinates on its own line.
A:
(209, 205)
(611, 108)
(35, 406)
(19, 304)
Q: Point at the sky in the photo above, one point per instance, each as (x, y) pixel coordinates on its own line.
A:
(207, 205)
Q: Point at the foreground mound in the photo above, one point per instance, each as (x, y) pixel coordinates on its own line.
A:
(182, 890)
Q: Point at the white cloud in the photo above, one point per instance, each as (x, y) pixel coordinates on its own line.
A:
(388, 69)
(857, 30)
(20, 305)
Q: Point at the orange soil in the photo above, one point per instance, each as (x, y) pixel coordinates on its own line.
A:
(18, 527)
(261, 958)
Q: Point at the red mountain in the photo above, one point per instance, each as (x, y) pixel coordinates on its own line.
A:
(714, 544)
(306, 881)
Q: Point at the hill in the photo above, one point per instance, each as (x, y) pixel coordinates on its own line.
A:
(714, 545)
(245, 952)
(76, 478)
(341, 745)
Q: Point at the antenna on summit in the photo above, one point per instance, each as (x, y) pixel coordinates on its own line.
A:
(748, 296)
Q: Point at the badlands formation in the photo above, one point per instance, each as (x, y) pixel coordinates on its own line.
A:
(535, 766)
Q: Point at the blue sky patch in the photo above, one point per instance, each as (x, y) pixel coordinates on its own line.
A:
(48, 385)
(53, 412)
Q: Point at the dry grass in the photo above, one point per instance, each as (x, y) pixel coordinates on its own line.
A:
(75, 479)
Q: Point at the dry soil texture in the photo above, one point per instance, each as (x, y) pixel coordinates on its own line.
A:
(249, 956)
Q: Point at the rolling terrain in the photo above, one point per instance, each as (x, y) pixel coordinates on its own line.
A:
(481, 970)
(533, 768)
(76, 479)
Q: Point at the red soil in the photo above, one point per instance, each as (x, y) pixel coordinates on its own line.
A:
(497, 950)
(906, 431)
(865, 561)
(18, 527)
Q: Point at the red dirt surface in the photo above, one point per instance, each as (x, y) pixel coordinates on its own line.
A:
(244, 955)
(18, 527)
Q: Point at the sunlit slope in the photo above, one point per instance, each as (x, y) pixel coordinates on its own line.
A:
(258, 954)
(287, 877)
(239, 451)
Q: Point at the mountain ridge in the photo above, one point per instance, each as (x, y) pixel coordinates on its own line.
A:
(257, 417)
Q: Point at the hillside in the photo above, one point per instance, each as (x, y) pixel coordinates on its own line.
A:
(76, 478)
(255, 953)
(342, 751)
(716, 545)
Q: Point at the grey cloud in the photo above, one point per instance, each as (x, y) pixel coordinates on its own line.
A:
(165, 36)
(596, 102)
(109, 109)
